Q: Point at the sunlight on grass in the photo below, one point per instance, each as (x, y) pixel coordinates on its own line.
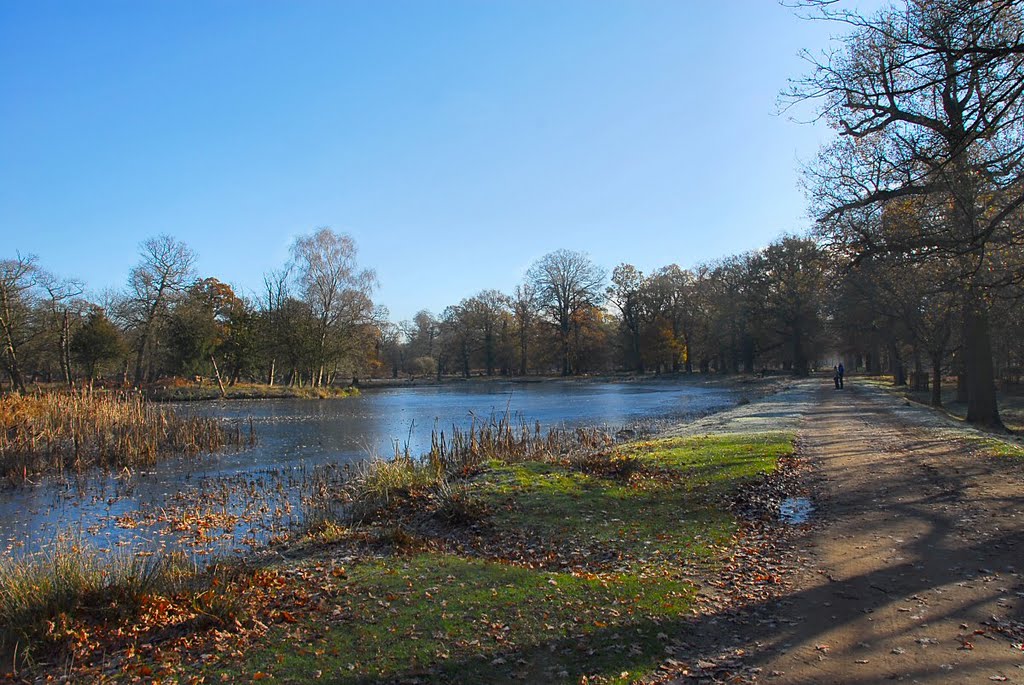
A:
(594, 580)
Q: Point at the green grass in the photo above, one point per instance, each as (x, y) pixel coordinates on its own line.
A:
(593, 580)
(999, 448)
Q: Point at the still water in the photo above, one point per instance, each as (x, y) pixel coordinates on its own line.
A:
(233, 501)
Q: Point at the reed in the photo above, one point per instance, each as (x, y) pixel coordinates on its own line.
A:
(67, 432)
(508, 439)
(361, 493)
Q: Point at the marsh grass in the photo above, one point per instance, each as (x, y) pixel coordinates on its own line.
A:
(361, 493)
(62, 432)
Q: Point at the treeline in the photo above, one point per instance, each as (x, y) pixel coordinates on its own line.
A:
(788, 307)
(314, 320)
(759, 310)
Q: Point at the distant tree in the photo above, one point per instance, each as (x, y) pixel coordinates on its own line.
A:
(96, 342)
(337, 294)
(486, 313)
(423, 334)
(16, 281)
(669, 296)
(795, 275)
(271, 327)
(423, 366)
(567, 284)
(392, 347)
(208, 320)
(627, 293)
(60, 296)
(524, 312)
(165, 270)
(458, 340)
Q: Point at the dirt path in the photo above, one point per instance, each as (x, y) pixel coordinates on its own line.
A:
(915, 565)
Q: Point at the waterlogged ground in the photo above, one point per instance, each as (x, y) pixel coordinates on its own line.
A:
(231, 503)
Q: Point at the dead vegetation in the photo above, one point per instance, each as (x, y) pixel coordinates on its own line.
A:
(58, 433)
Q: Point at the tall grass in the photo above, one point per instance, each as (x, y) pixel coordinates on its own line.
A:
(359, 493)
(60, 432)
(508, 439)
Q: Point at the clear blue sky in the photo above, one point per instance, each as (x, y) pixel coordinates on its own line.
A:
(457, 142)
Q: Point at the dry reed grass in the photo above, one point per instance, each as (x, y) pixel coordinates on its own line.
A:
(62, 432)
(360, 493)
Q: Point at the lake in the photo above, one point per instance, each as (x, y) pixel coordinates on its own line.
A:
(231, 502)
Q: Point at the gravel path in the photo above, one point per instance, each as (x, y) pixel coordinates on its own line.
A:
(916, 560)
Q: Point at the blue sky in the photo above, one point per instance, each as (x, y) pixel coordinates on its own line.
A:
(457, 142)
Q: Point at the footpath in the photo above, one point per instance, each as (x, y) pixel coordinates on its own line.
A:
(913, 565)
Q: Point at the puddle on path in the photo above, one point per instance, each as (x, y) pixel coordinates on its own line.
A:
(795, 510)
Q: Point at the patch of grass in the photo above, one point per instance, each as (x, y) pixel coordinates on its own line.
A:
(448, 619)
(591, 577)
(42, 597)
(999, 448)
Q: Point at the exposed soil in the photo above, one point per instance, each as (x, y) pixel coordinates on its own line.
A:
(912, 570)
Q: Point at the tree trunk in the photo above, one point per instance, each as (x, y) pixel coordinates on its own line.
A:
(65, 350)
(140, 357)
(13, 370)
(961, 388)
(638, 357)
(216, 374)
(270, 376)
(937, 381)
(982, 408)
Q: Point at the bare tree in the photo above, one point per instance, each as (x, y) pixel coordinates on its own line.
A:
(60, 296)
(166, 269)
(275, 286)
(524, 310)
(567, 283)
(336, 292)
(928, 99)
(16, 281)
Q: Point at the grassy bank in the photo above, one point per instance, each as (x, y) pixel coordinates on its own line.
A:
(62, 432)
(188, 392)
(548, 568)
(545, 571)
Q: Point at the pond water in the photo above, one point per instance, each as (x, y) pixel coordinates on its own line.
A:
(228, 502)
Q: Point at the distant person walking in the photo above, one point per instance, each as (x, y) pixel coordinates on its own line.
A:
(841, 373)
(835, 376)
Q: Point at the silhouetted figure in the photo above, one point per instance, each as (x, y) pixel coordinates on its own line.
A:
(835, 376)
(841, 373)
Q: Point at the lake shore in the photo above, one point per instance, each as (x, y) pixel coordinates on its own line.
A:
(579, 549)
(206, 391)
